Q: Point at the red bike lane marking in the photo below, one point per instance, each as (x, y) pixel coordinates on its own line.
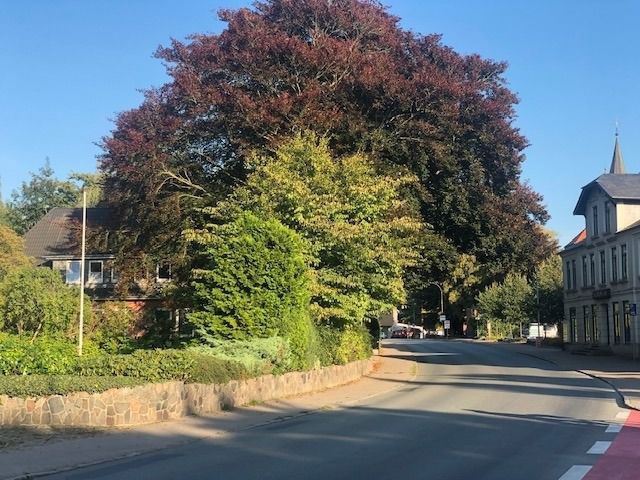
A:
(622, 460)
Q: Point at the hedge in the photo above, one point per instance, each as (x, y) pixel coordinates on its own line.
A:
(44, 385)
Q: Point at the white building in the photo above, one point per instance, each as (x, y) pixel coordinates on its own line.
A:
(601, 265)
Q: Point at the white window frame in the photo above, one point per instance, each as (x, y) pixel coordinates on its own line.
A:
(162, 279)
(90, 278)
(69, 270)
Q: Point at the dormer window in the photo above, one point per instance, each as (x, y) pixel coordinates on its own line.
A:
(163, 272)
(595, 220)
(607, 218)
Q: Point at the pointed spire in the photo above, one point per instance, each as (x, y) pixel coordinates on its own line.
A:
(617, 162)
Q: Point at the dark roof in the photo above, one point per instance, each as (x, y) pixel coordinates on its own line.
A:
(58, 232)
(618, 186)
(617, 162)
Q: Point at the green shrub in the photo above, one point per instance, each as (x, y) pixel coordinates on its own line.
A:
(111, 326)
(161, 365)
(43, 385)
(20, 356)
(341, 346)
(259, 356)
(34, 300)
(252, 282)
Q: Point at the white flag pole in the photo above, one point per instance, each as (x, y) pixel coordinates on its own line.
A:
(84, 231)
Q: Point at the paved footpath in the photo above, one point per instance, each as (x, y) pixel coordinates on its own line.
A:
(620, 459)
(31, 461)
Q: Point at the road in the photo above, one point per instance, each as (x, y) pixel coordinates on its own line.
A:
(473, 411)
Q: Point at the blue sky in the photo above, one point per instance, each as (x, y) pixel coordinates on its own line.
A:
(69, 66)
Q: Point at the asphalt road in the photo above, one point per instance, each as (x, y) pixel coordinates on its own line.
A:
(473, 411)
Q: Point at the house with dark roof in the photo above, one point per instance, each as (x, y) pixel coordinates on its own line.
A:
(55, 242)
(601, 265)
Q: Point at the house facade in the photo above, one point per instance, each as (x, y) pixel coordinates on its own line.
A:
(55, 243)
(601, 265)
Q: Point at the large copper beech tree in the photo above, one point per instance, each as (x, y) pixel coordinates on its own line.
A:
(345, 69)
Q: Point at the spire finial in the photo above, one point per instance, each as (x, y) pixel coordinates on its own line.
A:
(617, 163)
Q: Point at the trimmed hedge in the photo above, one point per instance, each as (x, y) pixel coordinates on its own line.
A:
(341, 346)
(44, 385)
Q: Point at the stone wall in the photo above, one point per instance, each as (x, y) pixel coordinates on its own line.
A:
(170, 400)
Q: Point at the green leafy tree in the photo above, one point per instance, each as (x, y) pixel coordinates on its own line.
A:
(547, 290)
(252, 282)
(359, 228)
(34, 300)
(12, 254)
(44, 191)
(506, 305)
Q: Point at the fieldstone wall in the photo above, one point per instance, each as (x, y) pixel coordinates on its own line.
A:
(170, 400)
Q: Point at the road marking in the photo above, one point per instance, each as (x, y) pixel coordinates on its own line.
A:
(576, 472)
(599, 448)
(614, 428)
(622, 415)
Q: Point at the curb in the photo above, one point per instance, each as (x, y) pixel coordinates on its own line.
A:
(621, 400)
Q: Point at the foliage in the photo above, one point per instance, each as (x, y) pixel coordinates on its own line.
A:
(341, 346)
(259, 355)
(251, 282)
(506, 304)
(45, 355)
(547, 284)
(358, 228)
(158, 365)
(35, 300)
(348, 70)
(110, 327)
(12, 254)
(45, 385)
(44, 191)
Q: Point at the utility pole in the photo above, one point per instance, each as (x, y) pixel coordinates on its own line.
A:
(82, 255)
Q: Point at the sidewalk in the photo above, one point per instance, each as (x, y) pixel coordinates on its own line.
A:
(67, 453)
(621, 373)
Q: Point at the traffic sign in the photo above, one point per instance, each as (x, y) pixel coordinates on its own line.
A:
(443, 318)
(633, 309)
(447, 324)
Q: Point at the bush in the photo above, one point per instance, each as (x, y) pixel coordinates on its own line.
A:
(341, 346)
(161, 365)
(35, 301)
(110, 328)
(43, 385)
(20, 356)
(253, 283)
(259, 356)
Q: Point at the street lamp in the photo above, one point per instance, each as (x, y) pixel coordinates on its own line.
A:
(441, 296)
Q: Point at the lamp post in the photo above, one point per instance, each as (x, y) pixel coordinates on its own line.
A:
(441, 295)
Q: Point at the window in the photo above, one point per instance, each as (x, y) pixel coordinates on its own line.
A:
(616, 322)
(592, 262)
(114, 275)
(574, 278)
(595, 333)
(627, 322)
(73, 272)
(623, 262)
(572, 325)
(595, 220)
(163, 272)
(568, 275)
(603, 268)
(607, 218)
(584, 271)
(614, 264)
(586, 324)
(95, 272)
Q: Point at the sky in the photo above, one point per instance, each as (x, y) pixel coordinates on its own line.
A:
(70, 66)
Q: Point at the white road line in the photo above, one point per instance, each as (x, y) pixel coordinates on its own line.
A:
(599, 447)
(614, 428)
(622, 415)
(576, 472)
